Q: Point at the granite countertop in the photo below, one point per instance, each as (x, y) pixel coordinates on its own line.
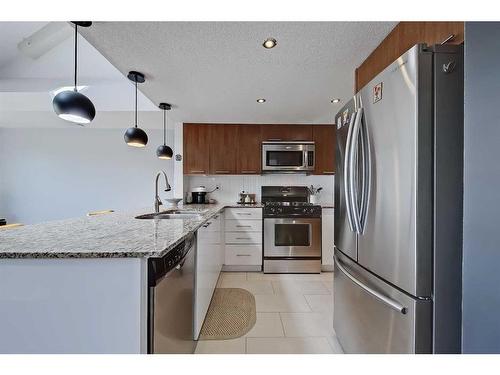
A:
(249, 205)
(113, 235)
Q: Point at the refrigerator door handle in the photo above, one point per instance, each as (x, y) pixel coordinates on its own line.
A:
(395, 305)
(347, 191)
(366, 171)
(353, 168)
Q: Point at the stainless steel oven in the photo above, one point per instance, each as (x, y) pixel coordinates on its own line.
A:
(292, 237)
(292, 230)
(288, 157)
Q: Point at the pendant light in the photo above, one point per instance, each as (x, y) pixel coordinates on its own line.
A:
(164, 151)
(136, 137)
(70, 105)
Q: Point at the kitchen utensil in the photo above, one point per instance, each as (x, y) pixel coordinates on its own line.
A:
(199, 194)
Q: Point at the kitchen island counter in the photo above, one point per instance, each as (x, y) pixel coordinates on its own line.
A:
(113, 235)
(81, 285)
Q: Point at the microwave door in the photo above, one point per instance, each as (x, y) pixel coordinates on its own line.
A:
(285, 159)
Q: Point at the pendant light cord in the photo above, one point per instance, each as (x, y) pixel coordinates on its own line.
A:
(136, 102)
(76, 53)
(164, 127)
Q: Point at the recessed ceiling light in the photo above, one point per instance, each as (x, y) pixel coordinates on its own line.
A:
(261, 100)
(334, 101)
(269, 43)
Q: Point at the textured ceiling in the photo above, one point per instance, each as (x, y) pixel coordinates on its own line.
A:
(215, 71)
(26, 83)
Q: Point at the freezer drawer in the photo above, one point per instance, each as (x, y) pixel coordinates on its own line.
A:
(371, 316)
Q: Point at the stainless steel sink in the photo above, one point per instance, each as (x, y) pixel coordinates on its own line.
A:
(173, 214)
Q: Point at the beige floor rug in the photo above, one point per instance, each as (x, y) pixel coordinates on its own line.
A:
(231, 314)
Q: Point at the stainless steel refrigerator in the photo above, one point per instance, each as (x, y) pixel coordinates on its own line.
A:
(398, 214)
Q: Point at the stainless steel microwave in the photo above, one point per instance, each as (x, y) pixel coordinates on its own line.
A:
(287, 156)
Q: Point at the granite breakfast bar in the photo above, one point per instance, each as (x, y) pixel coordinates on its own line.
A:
(80, 285)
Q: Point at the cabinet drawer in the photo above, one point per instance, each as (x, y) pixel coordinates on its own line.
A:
(244, 237)
(213, 225)
(243, 226)
(243, 255)
(210, 237)
(244, 214)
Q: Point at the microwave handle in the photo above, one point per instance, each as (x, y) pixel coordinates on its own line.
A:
(313, 157)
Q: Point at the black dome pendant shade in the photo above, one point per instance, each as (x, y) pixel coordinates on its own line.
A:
(136, 137)
(164, 151)
(71, 105)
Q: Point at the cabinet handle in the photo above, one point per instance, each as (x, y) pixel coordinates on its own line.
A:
(243, 255)
(243, 213)
(243, 238)
(248, 172)
(196, 171)
(222, 171)
(329, 172)
(243, 226)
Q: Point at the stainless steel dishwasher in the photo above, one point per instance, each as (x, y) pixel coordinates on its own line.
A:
(171, 300)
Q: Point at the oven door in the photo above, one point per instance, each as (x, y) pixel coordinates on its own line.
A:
(292, 237)
(287, 157)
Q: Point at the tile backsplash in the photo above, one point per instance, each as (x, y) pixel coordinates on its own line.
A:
(231, 186)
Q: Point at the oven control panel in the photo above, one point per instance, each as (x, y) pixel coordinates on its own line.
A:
(290, 211)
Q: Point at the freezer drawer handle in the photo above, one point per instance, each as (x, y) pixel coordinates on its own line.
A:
(388, 301)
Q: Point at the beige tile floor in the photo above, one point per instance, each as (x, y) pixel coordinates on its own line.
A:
(294, 315)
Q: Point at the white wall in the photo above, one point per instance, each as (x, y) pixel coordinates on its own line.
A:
(48, 174)
(231, 186)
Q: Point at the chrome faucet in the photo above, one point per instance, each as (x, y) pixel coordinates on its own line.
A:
(158, 201)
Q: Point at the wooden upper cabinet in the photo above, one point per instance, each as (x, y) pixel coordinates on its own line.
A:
(404, 36)
(283, 132)
(223, 148)
(236, 149)
(196, 149)
(249, 149)
(324, 139)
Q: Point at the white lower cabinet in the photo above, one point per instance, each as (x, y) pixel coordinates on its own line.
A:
(243, 255)
(243, 239)
(327, 240)
(209, 261)
(249, 238)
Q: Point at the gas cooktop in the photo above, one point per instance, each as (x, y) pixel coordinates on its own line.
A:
(288, 201)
